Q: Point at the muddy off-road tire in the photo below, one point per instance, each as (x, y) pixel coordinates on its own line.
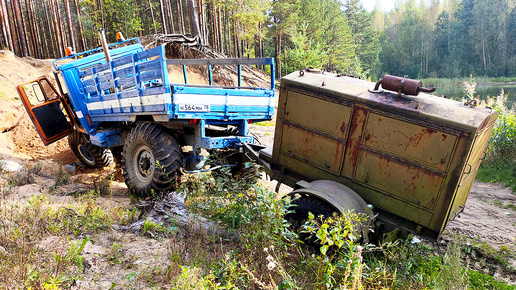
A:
(90, 155)
(146, 144)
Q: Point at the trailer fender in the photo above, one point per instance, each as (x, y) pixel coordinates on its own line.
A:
(339, 196)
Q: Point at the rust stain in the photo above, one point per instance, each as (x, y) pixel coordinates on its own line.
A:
(414, 141)
(356, 130)
(444, 136)
(343, 127)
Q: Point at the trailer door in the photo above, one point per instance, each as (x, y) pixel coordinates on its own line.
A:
(46, 109)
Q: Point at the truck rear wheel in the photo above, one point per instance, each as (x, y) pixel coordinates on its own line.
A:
(89, 154)
(147, 146)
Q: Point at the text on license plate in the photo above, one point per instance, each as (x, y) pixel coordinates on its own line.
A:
(194, 108)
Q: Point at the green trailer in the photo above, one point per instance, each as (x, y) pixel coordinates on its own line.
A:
(343, 143)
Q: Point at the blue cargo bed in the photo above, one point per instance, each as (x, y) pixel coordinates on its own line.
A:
(136, 83)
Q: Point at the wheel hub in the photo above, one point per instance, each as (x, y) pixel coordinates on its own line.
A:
(85, 153)
(144, 163)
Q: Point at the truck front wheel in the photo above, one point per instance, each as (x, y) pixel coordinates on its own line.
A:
(152, 160)
(89, 154)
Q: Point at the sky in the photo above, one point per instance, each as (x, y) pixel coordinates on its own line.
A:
(385, 5)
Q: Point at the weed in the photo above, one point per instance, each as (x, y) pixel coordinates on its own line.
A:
(152, 229)
(62, 177)
(265, 123)
(102, 184)
(115, 253)
(452, 272)
(341, 258)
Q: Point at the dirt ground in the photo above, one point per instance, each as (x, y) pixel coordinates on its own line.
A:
(489, 215)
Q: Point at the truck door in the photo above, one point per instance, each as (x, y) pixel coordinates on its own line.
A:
(46, 109)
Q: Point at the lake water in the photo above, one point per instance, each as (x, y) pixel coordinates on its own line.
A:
(482, 91)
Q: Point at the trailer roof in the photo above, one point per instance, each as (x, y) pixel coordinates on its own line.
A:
(424, 106)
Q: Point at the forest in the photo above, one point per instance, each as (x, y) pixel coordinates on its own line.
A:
(421, 39)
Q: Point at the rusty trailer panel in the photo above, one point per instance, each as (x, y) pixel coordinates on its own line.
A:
(413, 157)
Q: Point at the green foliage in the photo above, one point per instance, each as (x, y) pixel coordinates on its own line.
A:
(478, 281)
(317, 42)
(450, 39)
(340, 262)
(452, 272)
(500, 162)
(502, 171)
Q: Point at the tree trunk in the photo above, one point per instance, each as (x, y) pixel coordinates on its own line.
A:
(194, 19)
(60, 28)
(101, 15)
(55, 22)
(7, 26)
(213, 27)
(2, 23)
(51, 42)
(180, 19)
(69, 22)
(202, 20)
(163, 19)
(43, 48)
(277, 43)
(82, 38)
(153, 20)
(19, 25)
(36, 40)
(227, 26)
(168, 16)
(219, 31)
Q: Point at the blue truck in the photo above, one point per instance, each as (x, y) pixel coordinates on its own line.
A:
(119, 99)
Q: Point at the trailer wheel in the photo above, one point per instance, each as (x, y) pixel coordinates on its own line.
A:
(305, 204)
(89, 154)
(147, 145)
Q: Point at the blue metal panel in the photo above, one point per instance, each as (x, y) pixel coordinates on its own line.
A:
(224, 142)
(97, 57)
(111, 138)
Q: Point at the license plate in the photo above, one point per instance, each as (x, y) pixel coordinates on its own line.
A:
(194, 108)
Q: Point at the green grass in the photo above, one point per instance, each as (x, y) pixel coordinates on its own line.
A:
(503, 172)
(265, 123)
(266, 254)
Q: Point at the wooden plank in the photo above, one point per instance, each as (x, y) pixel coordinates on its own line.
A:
(143, 66)
(153, 91)
(124, 72)
(149, 53)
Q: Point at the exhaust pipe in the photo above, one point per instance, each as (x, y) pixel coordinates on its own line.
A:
(103, 40)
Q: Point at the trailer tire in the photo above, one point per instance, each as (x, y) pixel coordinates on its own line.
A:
(147, 144)
(90, 155)
(305, 204)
